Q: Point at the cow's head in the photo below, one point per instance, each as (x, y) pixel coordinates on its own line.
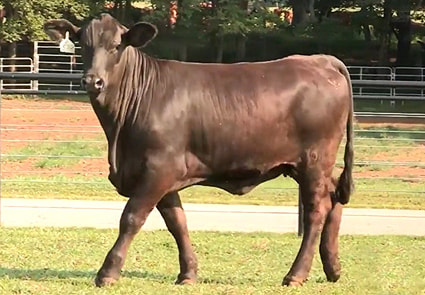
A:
(102, 41)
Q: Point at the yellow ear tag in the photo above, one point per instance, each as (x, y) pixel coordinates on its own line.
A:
(66, 45)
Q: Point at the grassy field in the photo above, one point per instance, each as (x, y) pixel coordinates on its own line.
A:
(280, 192)
(389, 171)
(64, 261)
(375, 150)
(361, 105)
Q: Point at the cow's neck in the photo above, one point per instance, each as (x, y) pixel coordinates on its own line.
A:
(129, 98)
(127, 101)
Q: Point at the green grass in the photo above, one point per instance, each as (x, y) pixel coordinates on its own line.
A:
(60, 154)
(375, 105)
(370, 193)
(64, 261)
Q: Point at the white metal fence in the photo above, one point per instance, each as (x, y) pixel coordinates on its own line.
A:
(20, 64)
(48, 59)
(387, 74)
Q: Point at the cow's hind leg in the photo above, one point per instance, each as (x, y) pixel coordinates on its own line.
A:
(317, 203)
(329, 243)
(133, 217)
(172, 211)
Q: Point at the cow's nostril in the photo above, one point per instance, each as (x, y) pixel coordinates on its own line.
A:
(98, 84)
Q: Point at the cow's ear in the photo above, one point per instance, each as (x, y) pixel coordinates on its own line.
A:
(57, 28)
(140, 34)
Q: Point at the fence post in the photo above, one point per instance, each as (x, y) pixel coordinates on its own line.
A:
(1, 70)
(300, 215)
(36, 58)
(70, 70)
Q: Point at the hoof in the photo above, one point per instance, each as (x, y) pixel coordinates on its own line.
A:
(332, 271)
(186, 282)
(104, 281)
(187, 279)
(332, 277)
(292, 282)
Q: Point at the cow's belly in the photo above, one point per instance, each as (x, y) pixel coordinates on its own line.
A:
(242, 181)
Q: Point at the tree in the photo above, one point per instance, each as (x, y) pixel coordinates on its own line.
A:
(397, 20)
(303, 11)
(187, 24)
(388, 17)
(25, 18)
(233, 18)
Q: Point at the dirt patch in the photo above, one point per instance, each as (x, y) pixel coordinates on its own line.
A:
(402, 155)
(24, 121)
(29, 168)
(27, 122)
(399, 172)
(406, 126)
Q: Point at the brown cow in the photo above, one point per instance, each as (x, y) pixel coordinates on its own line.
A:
(172, 124)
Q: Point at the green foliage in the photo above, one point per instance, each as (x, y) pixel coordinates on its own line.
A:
(228, 18)
(208, 30)
(188, 19)
(231, 19)
(26, 17)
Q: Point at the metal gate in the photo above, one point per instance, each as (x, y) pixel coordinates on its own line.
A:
(48, 59)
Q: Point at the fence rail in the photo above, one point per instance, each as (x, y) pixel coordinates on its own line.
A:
(75, 78)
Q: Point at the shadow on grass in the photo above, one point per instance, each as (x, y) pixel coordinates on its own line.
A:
(43, 274)
(46, 274)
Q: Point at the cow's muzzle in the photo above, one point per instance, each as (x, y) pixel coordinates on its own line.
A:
(92, 83)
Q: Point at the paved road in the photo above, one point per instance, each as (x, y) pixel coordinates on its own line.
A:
(106, 214)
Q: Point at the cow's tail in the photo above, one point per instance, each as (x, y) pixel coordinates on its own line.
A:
(345, 185)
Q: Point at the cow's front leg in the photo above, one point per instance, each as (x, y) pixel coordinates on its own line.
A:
(172, 211)
(133, 217)
(317, 203)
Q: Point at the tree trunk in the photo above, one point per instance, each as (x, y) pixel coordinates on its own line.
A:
(366, 32)
(264, 55)
(219, 40)
(402, 27)
(120, 10)
(244, 5)
(422, 44)
(12, 54)
(183, 51)
(384, 39)
(365, 27)
(241, 48)
(303, 11)
(127, 12)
